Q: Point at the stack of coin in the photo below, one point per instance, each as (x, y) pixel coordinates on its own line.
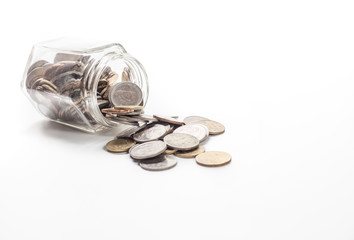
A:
(60, 89)
(157, 137)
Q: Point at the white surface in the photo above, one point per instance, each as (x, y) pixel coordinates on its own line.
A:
(278, 74)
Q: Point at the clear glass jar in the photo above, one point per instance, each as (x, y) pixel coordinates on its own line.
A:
(68, 80)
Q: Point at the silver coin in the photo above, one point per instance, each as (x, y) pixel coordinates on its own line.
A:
(147, 149)
(181, 141)
(168, 119)
(130, 118)
(36, 74)
(125, 93)
(131, 130)
(37, 64)
(146, 117)
(153, 132)
(120, 120)
(162, 162)
(197, 130)
(191, 119)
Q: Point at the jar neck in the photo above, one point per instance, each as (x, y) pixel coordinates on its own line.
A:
(116, 61)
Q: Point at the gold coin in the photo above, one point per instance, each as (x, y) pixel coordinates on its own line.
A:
(213, 126)
(213, 158)
(133, 107)
(170, 151)
(190, 154)
(109, 110)
(125, 111)
(121, 144)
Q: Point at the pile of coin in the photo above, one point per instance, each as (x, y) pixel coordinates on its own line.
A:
(61, 90)
(153, 139)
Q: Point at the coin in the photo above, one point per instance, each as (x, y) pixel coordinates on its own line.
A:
(181, 141)
(122, 111)
(122, 121)
(49, 88)
(190, 153)
(190, 119)
(147, 117)
(213, 158)
(168, 119)
(37, 64)
(162, 162)
(125, 93)
(170, 151)
(126, 75)
(42, 81)
(109, 110)
(101, 103)
(197, 130)
(147, 149)
(67, 66)
(213, 126)
(35, 74)
(118, 145)
(131, 130)
(153, 132)
(112, 78)
(129, 107)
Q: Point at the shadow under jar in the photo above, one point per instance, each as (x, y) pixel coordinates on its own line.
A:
(78, 83)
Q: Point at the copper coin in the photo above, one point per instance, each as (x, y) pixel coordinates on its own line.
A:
(112, 78)
(124, 111)
(118, 145)
(109, 110)
(191, 153)
(213, 158)
(213, 126)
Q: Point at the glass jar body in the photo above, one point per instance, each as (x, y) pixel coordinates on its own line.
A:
(66, 80)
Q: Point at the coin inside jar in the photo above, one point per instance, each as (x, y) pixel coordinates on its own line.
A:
(124, 94)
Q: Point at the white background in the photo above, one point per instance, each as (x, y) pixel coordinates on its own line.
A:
(278, 74)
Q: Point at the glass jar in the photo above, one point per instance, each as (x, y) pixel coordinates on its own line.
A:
(72, 81)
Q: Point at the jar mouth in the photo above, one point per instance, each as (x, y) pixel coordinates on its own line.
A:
(117, 63)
